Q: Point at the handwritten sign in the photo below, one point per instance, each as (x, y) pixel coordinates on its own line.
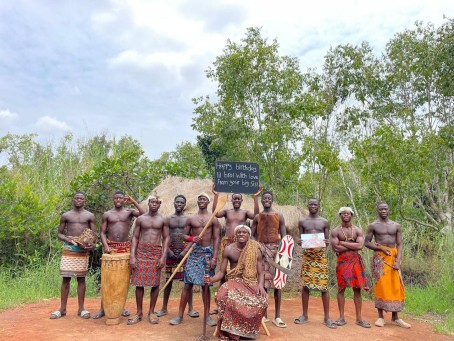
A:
(236, 177)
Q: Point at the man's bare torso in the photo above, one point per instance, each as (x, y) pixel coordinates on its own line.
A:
(118, 224)
(346, 234)
(151, 228)
(312, 225)
(385, 232)
(233, 218)
(196, 223)
(77, 220)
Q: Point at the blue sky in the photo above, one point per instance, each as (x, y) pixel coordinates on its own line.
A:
(132, 67)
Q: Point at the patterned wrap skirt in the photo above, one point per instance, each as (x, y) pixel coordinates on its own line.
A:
(147, 272)
(74, 261)
(240, 310)
(314, 269)
(196, 265)
(389, 289)
(350, 271)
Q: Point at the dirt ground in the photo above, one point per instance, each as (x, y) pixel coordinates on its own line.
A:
(32, 321)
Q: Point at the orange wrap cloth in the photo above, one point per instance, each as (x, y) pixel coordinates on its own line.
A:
(314, 269)
(388, 289)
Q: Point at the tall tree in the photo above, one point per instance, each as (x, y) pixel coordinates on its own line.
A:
(257, 114)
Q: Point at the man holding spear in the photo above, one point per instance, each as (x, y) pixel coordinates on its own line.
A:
(195, 267)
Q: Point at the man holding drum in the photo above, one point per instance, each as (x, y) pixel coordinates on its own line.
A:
(74, 261)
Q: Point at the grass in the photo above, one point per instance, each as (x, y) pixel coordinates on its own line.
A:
(34, 284)
(433, 304)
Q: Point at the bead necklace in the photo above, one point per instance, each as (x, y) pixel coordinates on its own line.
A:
(346, 238)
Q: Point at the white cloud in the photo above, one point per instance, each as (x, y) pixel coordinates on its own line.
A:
(7, 116)
(50, 124)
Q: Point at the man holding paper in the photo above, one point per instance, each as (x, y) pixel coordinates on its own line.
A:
(314, 231)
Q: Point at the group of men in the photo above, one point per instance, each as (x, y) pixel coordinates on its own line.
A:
(246, 258)
(346, 241)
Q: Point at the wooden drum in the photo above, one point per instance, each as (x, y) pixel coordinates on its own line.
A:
(115, 273)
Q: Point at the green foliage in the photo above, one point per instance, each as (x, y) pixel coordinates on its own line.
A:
(186, 161)
(121, 166)
(25, 220)
(257, 115)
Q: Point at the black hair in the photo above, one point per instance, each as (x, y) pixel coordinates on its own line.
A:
(180, 196)
(268, 192)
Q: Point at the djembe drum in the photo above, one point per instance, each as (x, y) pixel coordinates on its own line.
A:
(115, 273)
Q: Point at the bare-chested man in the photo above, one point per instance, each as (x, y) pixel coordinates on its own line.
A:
(177, 250)
(206, 247)
(74, 261)
(389, 288)
(234, 216)
(148, 257)
(115, 228)
(314, 269)
(268, 228)
(242, 300)
(346, 241)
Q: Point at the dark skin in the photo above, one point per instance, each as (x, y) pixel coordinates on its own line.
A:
(115, 225)
(235, 216)
(177, 222)
(314, 224)
(232, 254)
(194, 225)
(267, 202)
(150, 228)
(74, 222)
(348, 237)
(386, 233)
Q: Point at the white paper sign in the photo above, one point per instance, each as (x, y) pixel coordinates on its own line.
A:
(312, 240)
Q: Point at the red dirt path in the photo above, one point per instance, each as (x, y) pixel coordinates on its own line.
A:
(32, 322)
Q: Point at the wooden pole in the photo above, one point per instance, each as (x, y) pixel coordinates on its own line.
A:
(206, 294)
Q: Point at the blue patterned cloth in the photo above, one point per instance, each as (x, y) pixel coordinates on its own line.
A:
(195, 267)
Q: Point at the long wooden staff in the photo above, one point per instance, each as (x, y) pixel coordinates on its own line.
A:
(221, 203)
(206, 295)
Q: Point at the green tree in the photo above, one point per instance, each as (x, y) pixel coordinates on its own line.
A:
(395, 117)
(257, 114)
(186, 161)
(122, 166)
